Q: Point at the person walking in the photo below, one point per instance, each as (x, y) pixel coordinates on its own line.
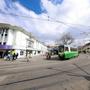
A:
(13, 54)
(27, 56)
(16, 55)
(48, 55)
(8, 56)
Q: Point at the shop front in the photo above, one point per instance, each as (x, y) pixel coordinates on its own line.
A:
(4, 49)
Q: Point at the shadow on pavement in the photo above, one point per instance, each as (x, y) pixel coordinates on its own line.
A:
(53, 58)
(87, 76)
(70, 73)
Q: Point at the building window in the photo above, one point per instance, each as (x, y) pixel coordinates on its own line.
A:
(1, 34)
(38, 52)
(6, 34)
(6, 31)
(29, 44)
(4, 43)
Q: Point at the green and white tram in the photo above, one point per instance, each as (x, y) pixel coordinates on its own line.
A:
(65, 52)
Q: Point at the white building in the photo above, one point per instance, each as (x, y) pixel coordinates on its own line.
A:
(13, 37)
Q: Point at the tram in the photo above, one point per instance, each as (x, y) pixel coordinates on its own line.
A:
(65, 52)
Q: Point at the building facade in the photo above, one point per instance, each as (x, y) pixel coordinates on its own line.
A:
(85, 48)
(13, 37)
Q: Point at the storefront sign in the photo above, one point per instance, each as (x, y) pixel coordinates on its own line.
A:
(5, 47)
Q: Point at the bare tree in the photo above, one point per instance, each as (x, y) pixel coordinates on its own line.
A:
(66, 39)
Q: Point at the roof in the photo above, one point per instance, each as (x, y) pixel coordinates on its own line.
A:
(88, 44)
(4, 25)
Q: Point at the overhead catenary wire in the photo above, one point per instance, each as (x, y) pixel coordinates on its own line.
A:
(50, 19)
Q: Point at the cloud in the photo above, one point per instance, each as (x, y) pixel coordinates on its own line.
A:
(56, 2)
(2, 4)
(70, 11)
(74, 12)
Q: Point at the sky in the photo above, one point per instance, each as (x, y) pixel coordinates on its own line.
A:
(49, 19)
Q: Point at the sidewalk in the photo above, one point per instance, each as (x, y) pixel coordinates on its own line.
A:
(24, 60)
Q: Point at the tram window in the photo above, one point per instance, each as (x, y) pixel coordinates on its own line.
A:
(66, 48)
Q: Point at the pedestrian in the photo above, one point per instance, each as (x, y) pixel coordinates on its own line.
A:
(13, 54)
(16, 55)
(8, 56)
(48, 55)
(27, 56)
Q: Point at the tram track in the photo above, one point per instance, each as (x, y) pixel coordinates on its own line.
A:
(58, 72)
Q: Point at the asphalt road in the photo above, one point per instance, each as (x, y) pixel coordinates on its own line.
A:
(42, 74)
